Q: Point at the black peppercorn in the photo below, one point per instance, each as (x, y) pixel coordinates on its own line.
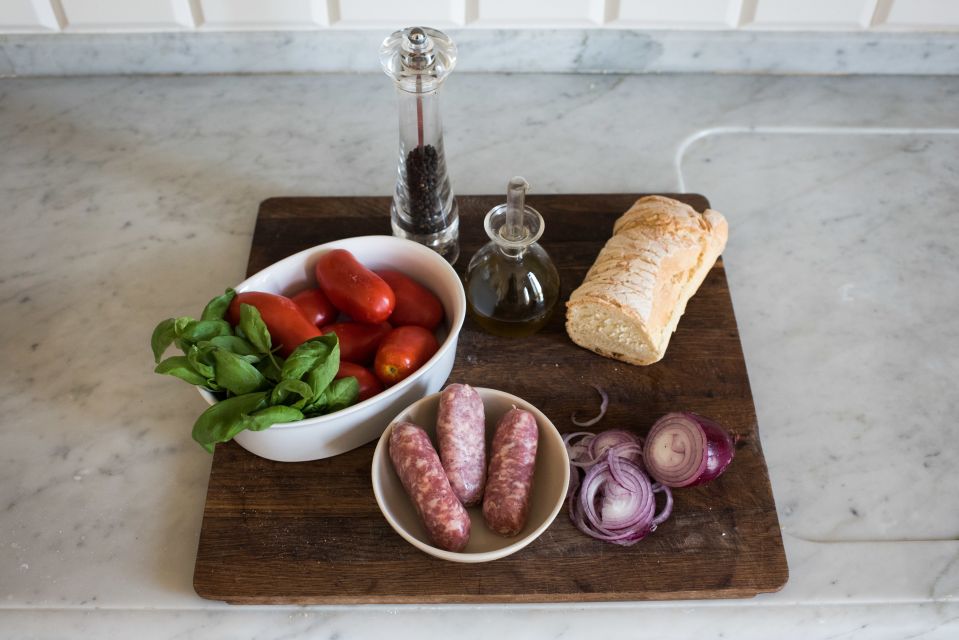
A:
(422, 182)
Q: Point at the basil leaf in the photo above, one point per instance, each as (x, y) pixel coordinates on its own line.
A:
(236, 344)
(180, 367)
(200, 330)
(216, 308)
(309, 355)
(254, 328)
(225, 419)
(235, 374)
(265, 418)
(342, 393)
(271, 368)
(286, 388)
(179, 326)
(180, 323)
(320, 377)
(162, 337)
(201, 359)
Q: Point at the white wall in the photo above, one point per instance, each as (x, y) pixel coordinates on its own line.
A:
(86, 16)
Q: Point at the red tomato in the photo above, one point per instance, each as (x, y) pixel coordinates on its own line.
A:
(354, 289)
(289, 327)
(415, 304)
(358, 341)
(315, 306)
(403, 351)
(369, 385)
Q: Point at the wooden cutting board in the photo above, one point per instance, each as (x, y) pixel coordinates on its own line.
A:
(311, 533)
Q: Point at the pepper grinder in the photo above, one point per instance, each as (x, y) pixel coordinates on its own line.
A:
(418, 59)
(512, 285)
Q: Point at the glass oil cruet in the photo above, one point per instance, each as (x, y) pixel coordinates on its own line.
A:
(512, 285)
(418, 59)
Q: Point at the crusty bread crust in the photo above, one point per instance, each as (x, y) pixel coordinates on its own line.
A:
(633, 296)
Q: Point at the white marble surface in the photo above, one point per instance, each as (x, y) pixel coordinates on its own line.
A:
(570, 50)
(866, 344)
(123, 200)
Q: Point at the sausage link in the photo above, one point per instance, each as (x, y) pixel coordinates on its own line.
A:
(461, 431)
(419, 468)
(510, 481)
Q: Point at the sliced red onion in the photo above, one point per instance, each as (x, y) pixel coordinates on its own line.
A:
(668, 509)
(602, 410)
(685, 449)
(579, 452)
(630, 451)
(584, 438)
(617, 503)
(609, 439)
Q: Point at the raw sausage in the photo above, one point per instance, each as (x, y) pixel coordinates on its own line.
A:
(510, 481)
(461, 432)
(418, 466)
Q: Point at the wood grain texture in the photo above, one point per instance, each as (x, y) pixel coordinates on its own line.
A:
(311, 533)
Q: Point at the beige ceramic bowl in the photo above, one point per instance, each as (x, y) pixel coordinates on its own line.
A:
(550, 481)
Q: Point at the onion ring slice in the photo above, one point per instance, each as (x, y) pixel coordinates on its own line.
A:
(604, 404)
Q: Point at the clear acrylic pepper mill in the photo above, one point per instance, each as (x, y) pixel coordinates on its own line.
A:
(512, 285)
(418, 59)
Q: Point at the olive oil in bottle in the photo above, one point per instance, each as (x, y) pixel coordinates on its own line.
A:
(512, 286)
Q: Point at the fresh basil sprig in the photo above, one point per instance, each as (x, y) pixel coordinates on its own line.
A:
(235, 374)
(223, 420)
(285, 390)
(341, 393)
(259, 388)
(216, 308)
(253, 327)
(180, 367)
(163, 336)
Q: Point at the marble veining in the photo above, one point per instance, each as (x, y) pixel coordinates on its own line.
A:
(126, 199)
(6, 65)
(572, 50)
(863, 352)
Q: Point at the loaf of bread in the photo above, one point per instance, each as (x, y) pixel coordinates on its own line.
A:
(633, 296)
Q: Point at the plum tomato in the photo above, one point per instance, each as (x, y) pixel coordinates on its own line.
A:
(354, 289)
(403, 351)
(415, 304)
(369, 384)
(316, 306)
(288, 325)
(358, 341)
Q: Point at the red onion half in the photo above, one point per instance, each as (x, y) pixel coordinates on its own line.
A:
(684, 450)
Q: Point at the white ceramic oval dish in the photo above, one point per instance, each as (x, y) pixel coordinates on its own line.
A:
(336, 433)
(550, 482)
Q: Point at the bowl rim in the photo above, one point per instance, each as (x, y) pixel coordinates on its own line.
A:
(456, 325)
(481, 556)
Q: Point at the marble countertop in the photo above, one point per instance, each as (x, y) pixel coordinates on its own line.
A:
(126, 199)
